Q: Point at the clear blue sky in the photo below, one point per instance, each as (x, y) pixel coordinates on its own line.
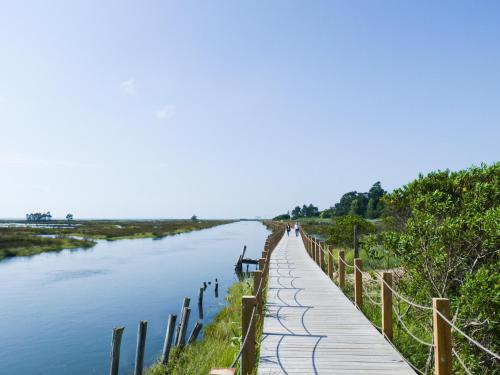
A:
(155, 109)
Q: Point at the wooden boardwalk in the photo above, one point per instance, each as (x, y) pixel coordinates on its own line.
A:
(310, 327)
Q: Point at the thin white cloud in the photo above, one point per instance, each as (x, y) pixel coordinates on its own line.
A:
(165, 113)
(128, 86)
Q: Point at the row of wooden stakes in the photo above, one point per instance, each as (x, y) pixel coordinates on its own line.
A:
(180, 334)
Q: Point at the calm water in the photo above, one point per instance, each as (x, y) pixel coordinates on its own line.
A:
(57, 310)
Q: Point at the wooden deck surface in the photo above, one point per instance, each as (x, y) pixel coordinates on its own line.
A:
(312, 328)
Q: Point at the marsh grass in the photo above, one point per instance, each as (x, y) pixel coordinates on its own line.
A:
(219, 345)
(23, 241)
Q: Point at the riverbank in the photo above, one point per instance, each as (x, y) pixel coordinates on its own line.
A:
(29, 239)
(219, 345)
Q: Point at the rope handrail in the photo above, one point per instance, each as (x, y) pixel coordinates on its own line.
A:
(405, 327)
(238, 356)
(405, 299)
(370, 298)
(466, 369)
(254, 310)
(479, 345)
(348, 265)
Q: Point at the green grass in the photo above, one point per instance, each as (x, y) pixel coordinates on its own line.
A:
(220, 343)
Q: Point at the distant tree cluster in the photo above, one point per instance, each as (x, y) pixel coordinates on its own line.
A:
(38, 216)
(299, 212)
(368, 205)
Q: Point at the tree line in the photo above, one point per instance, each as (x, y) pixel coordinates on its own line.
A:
(367, 205)
(44, 216)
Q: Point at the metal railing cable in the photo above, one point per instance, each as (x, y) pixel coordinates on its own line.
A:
(471, 340)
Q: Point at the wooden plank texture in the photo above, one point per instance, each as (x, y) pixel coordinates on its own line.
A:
(310, 327)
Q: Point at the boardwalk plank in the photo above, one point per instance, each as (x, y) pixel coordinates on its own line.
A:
(311, 327)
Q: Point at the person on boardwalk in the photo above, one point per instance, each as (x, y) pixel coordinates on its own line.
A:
(288, 229)
(297, 229)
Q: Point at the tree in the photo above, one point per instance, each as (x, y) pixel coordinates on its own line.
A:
(282, 217)
(296, 212)
(342, 231)
(194, 218)
(69, 217)
(446, 236)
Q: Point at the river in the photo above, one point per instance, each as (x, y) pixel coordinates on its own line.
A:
(57, 310)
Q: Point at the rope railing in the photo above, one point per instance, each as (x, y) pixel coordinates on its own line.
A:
(466, 369)
(247, 334)
(440, 308)
(470, 339)
(405, 327)
(247, 364)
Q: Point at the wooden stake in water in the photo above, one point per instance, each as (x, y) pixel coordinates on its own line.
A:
(184, 324)
(141, 343)
(195, 332)
(168, 338)
(185, 303)
(115, 350)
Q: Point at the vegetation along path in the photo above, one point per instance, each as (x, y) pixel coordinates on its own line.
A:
(311, 327)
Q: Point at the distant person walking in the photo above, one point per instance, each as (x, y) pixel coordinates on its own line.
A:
(297, 229)
(288, 229)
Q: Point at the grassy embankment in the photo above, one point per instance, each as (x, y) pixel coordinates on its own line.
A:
(23, 241)
(219, 345)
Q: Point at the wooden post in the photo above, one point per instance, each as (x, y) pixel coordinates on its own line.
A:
(116, 342)
(200, 296)
(442, 336)
(356, 242)
(195, 332)
(167, 344)
(257, 276)
(141, 343)
(321, 255)
(262, 262)
(248, 354)
(341, 269)
(184, 324)
(185, 303)
(330, 263)
(358, 280)
(315, 250)
(386, 298)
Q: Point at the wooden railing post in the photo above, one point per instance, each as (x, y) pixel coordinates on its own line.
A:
(356, 241)
(330, 263)
(321, 255)
(386, 298)
(341, 269)
(116, 342)
(257, 276)
(262, 262)
(248, 353)
(442, 336)
(358, 280)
